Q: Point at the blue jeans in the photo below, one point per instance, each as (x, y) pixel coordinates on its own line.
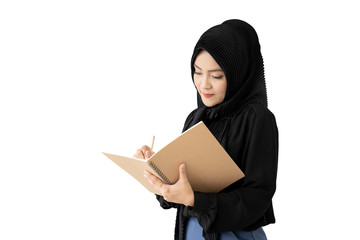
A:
(194, 232)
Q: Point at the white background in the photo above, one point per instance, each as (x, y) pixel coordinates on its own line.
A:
(83, 77)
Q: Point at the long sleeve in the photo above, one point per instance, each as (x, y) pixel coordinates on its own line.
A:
(165, 204)
(250, 199)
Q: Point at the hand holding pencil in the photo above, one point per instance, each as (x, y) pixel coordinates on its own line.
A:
(145, 151)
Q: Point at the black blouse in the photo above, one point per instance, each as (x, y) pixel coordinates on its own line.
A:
(250, 137)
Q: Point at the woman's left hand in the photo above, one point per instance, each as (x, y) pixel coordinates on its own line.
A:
(180, 192)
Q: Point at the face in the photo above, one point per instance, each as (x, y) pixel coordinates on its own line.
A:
(209, 79)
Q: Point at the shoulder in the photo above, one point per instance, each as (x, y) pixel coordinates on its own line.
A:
(254, 112)
(189, 119)
(252, 117)
(191, 115)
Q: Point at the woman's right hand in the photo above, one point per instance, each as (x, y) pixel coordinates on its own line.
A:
(144, 152)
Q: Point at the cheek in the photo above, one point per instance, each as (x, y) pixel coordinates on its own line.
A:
(196, 82)
(222, 88)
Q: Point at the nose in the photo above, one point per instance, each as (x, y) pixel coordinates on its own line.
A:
(205, 82)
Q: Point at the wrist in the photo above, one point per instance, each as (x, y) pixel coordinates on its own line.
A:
(191, 199)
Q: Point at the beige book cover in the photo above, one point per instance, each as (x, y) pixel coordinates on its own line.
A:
(208, 166)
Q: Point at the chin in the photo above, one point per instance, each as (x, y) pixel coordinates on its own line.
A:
(208, 104)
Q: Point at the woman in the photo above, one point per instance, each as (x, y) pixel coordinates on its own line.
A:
(228, 73)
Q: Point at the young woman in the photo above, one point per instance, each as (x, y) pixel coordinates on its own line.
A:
(228, 73)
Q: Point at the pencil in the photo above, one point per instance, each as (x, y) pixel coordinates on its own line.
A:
(152, 144)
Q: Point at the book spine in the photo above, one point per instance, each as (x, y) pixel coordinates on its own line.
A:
(159, 172)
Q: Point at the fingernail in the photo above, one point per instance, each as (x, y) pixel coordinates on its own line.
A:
(182, 165)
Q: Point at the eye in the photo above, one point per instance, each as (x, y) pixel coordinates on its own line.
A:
(217, 77)
(197, 73)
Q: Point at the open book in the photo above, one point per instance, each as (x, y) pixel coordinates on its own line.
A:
(208, 166)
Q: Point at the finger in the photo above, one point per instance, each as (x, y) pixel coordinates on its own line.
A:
(144, 148)
(139, 154)
(154, 180)
(147, 154)
(182, 172)
(146, 151)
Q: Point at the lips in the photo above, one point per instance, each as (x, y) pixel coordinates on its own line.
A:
(208, 95)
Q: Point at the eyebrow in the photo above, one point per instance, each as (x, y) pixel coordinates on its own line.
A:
(213, 70)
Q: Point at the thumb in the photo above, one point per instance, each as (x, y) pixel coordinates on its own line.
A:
(182, 172)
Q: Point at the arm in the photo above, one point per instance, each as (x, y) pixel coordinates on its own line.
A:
(250, 197)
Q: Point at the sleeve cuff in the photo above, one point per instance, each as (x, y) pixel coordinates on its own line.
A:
(203, 202)
(204, 209)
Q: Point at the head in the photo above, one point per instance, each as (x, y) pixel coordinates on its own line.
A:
(209, 79)
(227, 64)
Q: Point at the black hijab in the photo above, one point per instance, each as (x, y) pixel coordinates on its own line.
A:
(234, 45)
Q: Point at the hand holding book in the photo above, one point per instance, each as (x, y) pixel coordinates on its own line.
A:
(180, 192)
